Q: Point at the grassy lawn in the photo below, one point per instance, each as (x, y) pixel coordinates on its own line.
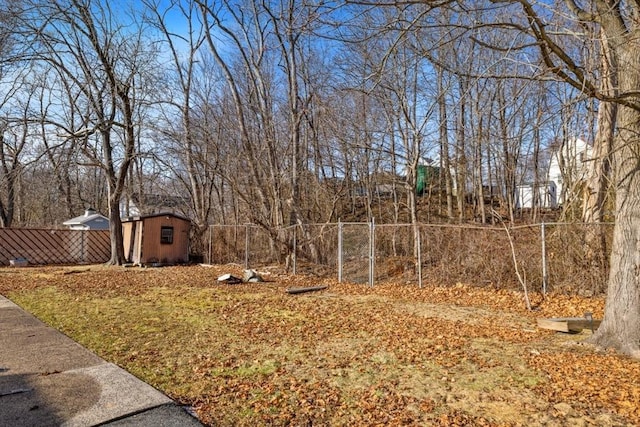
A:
(349, 355)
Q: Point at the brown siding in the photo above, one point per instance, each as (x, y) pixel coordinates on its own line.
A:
(147, 247)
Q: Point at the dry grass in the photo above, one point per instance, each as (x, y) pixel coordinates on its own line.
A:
(351, 355)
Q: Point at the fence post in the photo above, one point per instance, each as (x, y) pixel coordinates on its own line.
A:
(339, 251)
(544, 259)
(372, 250)
(246, 246)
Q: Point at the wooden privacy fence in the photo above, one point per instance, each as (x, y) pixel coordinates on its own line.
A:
(45, 246)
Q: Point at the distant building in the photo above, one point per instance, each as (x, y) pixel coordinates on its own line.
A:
(383, 185)
(91, 220)
(150, 204)
(546, 194)
(569, 166)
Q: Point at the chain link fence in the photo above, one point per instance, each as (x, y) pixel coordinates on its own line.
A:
(394, 253)
(577, 256)
(355, 256)
(246, 244)
(558, 256)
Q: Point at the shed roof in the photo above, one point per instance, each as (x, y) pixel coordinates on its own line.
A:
(141, 217)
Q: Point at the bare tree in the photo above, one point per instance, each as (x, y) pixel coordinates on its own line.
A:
(598, 182)
(249, 89)
(10, 170)
(546, 40)
(443, 128)
(11, 145)
(108, 60)
(619, 28)
(408, 97)
(183, 65)
(264, 81)
(61, 158)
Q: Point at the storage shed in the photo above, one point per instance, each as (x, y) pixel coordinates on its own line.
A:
(161, 239)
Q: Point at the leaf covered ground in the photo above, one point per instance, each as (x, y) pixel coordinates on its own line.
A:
(349, 355)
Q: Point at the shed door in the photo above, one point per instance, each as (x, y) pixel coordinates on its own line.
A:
(136, 257)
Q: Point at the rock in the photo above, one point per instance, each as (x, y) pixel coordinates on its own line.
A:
(229, 279)
(252, 276)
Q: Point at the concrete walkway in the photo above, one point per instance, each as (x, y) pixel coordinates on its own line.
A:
(47, 379)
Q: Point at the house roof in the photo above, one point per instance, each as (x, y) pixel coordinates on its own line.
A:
(85, 218)
(141, 217)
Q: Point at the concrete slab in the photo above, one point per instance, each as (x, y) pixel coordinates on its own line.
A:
(120, 394)
(44, 400)
(5, 303)
(162, 416)
(28, 346)
(47, 379)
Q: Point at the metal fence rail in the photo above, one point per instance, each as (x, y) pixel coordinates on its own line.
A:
(548, 256)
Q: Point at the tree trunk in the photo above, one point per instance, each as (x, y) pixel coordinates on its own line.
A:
(598, 179)
(509, 159)
(477, 164)
(115, 232)
(7, 174)
(620, 328)
(461, 158)
(445, 163)
(538, 203)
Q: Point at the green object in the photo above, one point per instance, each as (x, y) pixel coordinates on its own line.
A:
(425, 177)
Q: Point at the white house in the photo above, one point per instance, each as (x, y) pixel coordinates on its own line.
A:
(569, 165)
(90, 220)
(547, 195)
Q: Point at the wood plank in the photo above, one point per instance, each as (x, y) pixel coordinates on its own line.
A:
(295, 291)
(568, 324)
